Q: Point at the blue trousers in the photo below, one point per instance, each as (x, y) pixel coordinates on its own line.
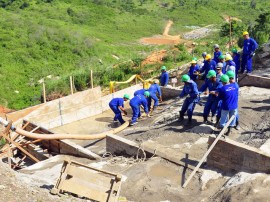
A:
(246, 63)
(224, 117)
(188, 106)
(136, 113)
(210, 105)
(117, 112)
(155, 98)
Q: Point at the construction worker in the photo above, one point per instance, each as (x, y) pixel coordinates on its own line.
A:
(249, 47)
(212, 102)
(236, 59)
(139, 92)
(228, 94)
(230, 65)
(222, 60)
(231, 76)
(217, 53)
(154, 90)
(135, 104)
(208, 65)
(219, 68)
(164, 77)
(193, 70)
(117, 104)
(191, 91)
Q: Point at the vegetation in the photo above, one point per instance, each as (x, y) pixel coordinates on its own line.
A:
(39, 38)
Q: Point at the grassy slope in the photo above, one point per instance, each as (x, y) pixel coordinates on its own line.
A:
(66, 37)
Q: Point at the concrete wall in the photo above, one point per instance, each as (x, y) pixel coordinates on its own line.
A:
(229, 155)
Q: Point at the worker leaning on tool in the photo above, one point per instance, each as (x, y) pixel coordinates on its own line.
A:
(164, 77)
(191, 91)
(117, 104)
(154, 90)
(212, 102)
(135, 104)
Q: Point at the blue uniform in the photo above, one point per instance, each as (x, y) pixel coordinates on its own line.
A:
(189, 104)
(212, 101)
(231, 67)
(139, 92)
(208, 66)
(250, 45)
(236, 59)
(135, 104)
(216, 56)
(164, 79)
(191, 71)
(114, 104)
(228, 94)
(154, 90)
(224, 68)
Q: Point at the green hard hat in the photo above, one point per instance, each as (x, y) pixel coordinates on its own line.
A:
(234, 50)
(163, 68)
(146, 93)
(221, 57)
(224, 78)
(195, 58)
(126, 96)
(211, 73)
(230, 74)
(185, 78)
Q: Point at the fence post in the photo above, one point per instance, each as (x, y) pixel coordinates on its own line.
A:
(44, 92)
(71, 84)
(91, 77)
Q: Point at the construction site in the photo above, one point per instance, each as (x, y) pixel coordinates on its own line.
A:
(70, 149)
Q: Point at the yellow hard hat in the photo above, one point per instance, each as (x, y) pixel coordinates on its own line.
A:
(207, 57)
(193, 62)
(228, 57)
(156, 81)
(245, 33)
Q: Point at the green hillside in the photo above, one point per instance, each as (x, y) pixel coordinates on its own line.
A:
(69, 37)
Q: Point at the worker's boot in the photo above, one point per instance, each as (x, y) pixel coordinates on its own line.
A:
(228, 131)
(237, 127)
(205, 119)
(189, 121)
(181, 118)
(217, 121)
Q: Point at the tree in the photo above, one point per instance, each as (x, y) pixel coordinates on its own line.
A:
(253, 4)
(262, 28)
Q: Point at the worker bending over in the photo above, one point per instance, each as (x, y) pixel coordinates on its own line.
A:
(212, 102)
(135, 104)
(228, 94)
(164, 77)
(191, 91)
(117, 104)
(139, 92)
(154, 90)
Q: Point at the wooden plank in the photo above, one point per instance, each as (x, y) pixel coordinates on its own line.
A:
(208, 151)
(16, 134)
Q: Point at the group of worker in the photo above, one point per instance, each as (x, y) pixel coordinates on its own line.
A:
(219, 73)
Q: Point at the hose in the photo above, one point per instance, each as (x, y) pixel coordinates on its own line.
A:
(25, 133)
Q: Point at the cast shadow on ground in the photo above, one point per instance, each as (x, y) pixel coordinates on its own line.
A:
(45, 186)
(263, 108)
(184, 124)
(104, 119)
(267, 101)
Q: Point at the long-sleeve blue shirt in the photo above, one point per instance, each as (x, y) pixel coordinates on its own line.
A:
(164, 79)
(229, 96)
(191, 71)
(208, 66)
(139, 100)
(154, 88)
(236, 59)
(139, 92)
(212, 86)
(117, 102)
(190, 89)
(250, 45)
(216, 56)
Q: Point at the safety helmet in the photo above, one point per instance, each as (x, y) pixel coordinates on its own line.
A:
(245, 33)
(219, 65)
(156, 81)
(204, 54)
(207, 57)
(230, 74)
(146, 93)
(185, 78)
(163, 68)
(221, 57)
(126, 96)
(195, 58)
(228, 57)
(216, 46)
(193, 62)
(234, 50)
(224, 78)
(211, 73)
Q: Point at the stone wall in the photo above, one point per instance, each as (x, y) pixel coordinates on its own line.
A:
(229, 155)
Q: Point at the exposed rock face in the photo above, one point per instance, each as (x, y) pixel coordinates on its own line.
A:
(262, 57)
